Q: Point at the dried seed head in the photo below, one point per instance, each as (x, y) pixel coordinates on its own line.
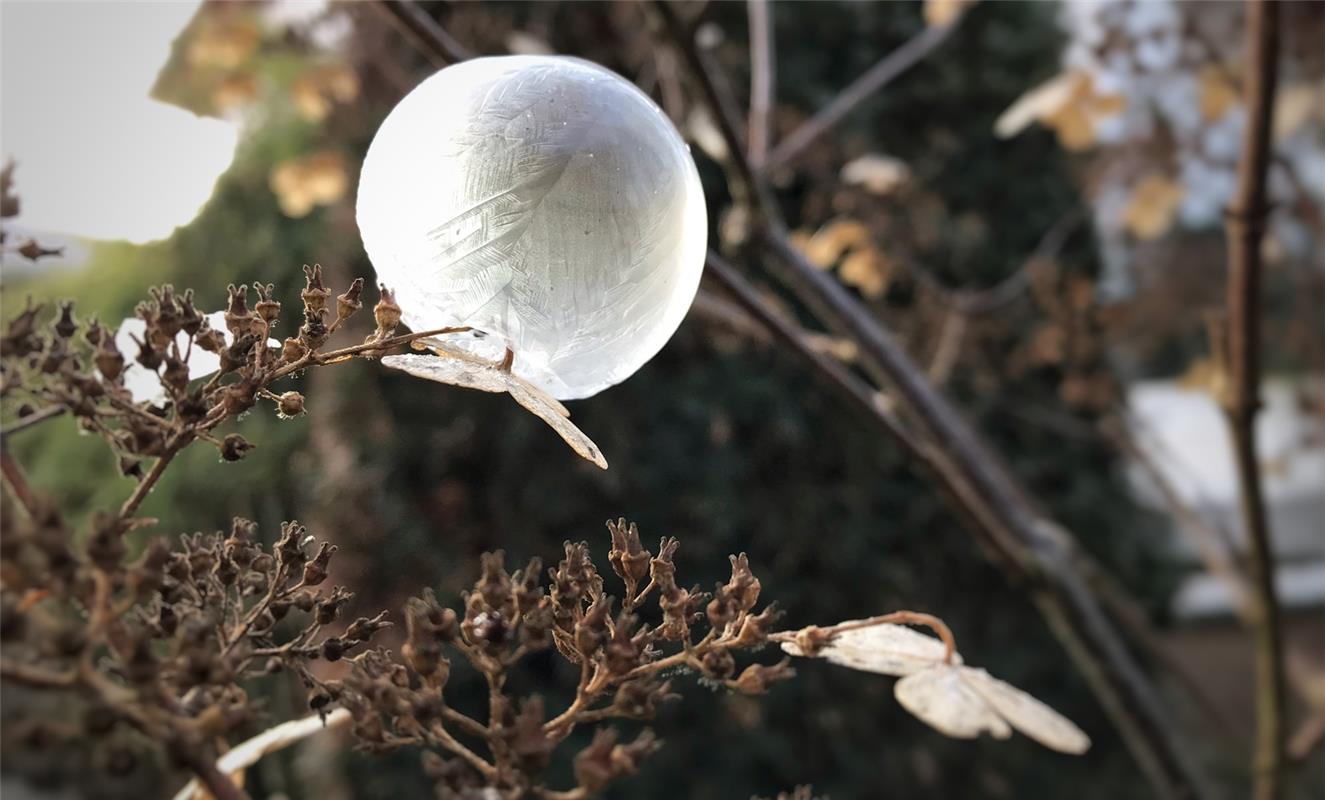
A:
(756, 678)
(386, 314)
(290, 404)
(349, 303)
(267, 308)
(234, 447)
(315, 294)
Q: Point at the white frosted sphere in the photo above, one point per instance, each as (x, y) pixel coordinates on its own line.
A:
(546, 202)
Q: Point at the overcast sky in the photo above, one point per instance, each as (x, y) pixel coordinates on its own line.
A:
(96, 157)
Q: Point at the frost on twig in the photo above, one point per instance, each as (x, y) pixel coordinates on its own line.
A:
(955, 699)
(459, 369)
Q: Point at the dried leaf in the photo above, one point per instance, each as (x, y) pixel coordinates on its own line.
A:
(885, 648)
(1028, 715)
(941, 699)
(867, 270)
(1068, 104)
(827, 245)
(879, 174)
(1295, 105)
(944, 12)
(456, 369)
(1218, 95)
(964, 702)
(317, 90)
(1039, 103)
(1151, 209)
(235, 91)
(300, 184)
(223, 40)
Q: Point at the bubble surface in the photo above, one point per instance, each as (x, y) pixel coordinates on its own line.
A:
(546, 202)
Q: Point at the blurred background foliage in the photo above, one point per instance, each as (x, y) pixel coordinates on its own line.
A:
(720, 440)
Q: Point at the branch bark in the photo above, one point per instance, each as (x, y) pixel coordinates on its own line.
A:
(1241, 345)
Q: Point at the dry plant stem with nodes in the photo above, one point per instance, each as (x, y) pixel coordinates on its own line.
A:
(1237, 345)
(167, 644)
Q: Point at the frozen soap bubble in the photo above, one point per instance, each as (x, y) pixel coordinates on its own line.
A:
(547, 203)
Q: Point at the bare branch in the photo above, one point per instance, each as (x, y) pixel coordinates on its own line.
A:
(875, 78)
(763, 78)
(1241, 345)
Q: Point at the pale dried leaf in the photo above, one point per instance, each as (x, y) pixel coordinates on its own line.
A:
(1025, 713)
(879, 174)
(944, 12)
(1039, 103)
(1218, 94)
(885, 648)
(1151, 209)
(550, 411)
(457, 369)
(868, 271)
(1295, 105)
(828, 244)
(940, 698)
(451, 371)
(248, 752)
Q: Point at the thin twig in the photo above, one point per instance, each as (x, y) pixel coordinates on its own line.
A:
(763, 78)
(424, 32)
(18, 483)
(1241, 345)
(875, 78)
(32, 419)
(859, 393)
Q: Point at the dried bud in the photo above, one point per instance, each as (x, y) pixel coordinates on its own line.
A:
(237, 315)
(292, 350)
(315, 571)
(756, 678)
(313, 334)
(66, 326)
(290, 404)
(190, 319)
(234, 447)
(628, 558)
(718, 664)
(591, 630)
(349, 303)
(743, 588)
(315, 294)
(109, 360)
(210, 339)
(386, 313)
(266, 308)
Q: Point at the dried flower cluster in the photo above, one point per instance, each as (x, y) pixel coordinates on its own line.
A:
(166, 642)
(621, 659)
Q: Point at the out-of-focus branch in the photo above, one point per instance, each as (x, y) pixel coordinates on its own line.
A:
(1210, 544)
(424, 32)
(1240, 346)
(1005, 521)
(875, 78)
(763, 77)
(860, 394)
(32, 419)
(17, 481)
